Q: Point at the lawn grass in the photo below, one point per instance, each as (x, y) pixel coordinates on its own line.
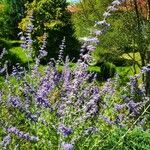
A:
(19, 52)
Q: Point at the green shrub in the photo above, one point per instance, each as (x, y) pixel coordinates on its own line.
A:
(4, 44)
(19, 52)
(120, 139)
(122, 62)
(14, 56)
(51, 17)
(113, 58)
(107, 70)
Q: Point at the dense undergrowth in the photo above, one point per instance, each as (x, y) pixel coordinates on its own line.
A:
(53, 110)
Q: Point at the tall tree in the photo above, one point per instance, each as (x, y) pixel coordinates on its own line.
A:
(52, 17)
(10, 16)
(129, 31)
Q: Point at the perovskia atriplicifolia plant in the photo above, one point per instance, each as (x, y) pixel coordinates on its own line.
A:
(66, 109)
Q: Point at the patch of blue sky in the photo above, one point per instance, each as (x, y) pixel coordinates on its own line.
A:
(73, 1)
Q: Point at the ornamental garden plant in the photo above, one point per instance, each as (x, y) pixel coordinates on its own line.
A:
(58, 107)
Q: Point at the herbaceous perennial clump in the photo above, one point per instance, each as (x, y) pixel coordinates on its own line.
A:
(66, 109)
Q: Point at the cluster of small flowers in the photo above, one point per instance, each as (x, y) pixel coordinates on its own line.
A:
(3, 68)
(67, 146)
(133, 107)
(90, 130)
(6, 141)
(64, 130)
(74, 93)
(145, 69)
(62, 47)
(42, 51)
(4, 52)
(106, 14)
(15, 102)
(108, 88)
(22, 135)
(27, 39)
(47, 84)
(91, 42)
(18, 71)
(92, 107)
(78, 100)
(134, 86)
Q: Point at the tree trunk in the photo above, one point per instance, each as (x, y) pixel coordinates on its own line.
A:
(147, 80)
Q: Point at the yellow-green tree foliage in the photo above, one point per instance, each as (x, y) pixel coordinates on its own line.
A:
(51, 17)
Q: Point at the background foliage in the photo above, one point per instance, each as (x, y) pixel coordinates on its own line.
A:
(52, 17)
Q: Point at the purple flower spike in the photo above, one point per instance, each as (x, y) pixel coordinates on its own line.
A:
(98, 32)
(6, 141)
(119, 107)
(116, 3)
(90, 130)
(22, 135)
(65, 130)
(107, 120)
(43, 102)
(91, 47)
(67, 146)
(133, 108)
(111, 8)
(103, 23)
(92, 40)
(106, 14)
(91, 108)
(14, 102)
(119, 119)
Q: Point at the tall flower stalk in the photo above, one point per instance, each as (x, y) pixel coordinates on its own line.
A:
(66, 109)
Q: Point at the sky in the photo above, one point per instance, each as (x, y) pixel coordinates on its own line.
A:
(73, 1)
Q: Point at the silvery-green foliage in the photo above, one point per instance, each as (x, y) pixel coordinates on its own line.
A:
(66, 110)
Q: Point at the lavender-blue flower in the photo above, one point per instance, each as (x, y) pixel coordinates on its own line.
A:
(67, 146)
(65, 130)
(22, 135)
